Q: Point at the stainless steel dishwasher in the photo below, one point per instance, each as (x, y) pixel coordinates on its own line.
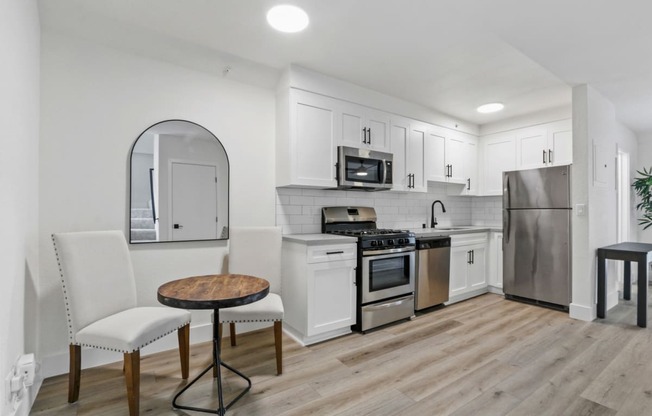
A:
(433, 271)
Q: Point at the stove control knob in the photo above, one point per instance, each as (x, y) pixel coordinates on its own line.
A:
(374, 243)
(401, 241)
(390, 242)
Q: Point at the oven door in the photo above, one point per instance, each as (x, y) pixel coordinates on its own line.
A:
(387, 275)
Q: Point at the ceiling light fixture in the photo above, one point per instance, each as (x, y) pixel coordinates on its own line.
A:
(490, 108)
(287, 18)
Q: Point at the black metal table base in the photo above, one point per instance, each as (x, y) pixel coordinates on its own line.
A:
(217, 364)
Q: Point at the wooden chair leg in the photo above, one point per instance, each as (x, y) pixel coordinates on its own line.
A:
(278, 342)
(232, 333)
(132, 378)
(184, 349)
(74, 374)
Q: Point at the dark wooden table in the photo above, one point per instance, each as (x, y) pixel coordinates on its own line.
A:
(213, 292)
(627, 252)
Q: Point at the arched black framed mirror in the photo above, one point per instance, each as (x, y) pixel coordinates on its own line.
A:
(179, 178)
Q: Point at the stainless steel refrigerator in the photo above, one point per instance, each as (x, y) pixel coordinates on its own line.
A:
(537, 235)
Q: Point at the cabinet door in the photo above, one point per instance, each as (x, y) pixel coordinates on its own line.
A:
(499, 156)
(313, 141)
(477, 267)
(532, 148)
(471, 165)
(496, 278)
(455, 149)
(435, 159)
(352, 123)
(331, 296)
(378, 123)
(459, 266)
(415, 157)
(399, 133)
(560, 143)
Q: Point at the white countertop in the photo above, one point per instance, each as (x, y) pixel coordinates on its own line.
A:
(317, 239)
(454, 229)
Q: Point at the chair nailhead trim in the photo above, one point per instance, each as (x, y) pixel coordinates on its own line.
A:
(249, 320)
(71, 336)
(136, 349)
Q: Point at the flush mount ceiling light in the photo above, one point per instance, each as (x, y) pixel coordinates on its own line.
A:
(490, 108)
(287, 18)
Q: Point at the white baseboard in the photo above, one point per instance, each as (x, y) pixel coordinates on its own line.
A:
(582, 312)
(612, 299)
(304, 340)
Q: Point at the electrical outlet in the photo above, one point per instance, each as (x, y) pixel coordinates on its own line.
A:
(26, 366)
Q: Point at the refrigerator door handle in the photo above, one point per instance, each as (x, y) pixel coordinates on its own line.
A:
(507, 219)
(507, 203)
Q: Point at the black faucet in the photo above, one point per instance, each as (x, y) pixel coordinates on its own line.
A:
(433, 220)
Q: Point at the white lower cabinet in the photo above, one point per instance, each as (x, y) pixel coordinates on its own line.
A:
(468, 274)
(496, 262)
(318, 290)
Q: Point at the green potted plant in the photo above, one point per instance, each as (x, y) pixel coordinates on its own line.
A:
(643, 188)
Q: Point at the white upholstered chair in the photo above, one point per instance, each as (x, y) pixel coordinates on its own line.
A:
(100, 298)
(256, 251)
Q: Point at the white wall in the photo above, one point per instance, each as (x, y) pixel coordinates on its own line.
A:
(597, 134)
(644, 161)
(19, 117)
(95, 103)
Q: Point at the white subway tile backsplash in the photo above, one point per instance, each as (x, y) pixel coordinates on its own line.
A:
(299, 210)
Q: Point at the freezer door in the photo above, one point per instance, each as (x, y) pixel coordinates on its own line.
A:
(537, 188)
(536, 254)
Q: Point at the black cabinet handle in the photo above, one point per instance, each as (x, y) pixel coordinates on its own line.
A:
(369, 131)
(544, 157)
(468, 257)
(364, 135)
(335, 252)
(468, 184)
(472, 256)
(549, 156)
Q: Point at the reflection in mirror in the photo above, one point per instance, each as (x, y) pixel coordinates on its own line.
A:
(179, 185)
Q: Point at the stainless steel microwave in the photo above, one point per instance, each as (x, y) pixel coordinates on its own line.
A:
(363, 169)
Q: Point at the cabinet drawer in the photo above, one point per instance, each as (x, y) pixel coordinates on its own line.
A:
(320, 254)
(464, 239)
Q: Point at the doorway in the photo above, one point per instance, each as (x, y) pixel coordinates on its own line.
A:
(623, 182)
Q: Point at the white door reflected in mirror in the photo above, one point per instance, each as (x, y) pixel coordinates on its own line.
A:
(179, 185)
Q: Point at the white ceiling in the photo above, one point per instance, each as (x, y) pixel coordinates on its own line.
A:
(449, 55)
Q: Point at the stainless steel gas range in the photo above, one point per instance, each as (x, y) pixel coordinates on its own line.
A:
(385, 271)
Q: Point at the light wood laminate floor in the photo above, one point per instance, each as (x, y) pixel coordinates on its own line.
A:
(485, 356)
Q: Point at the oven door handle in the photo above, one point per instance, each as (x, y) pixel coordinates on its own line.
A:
(374, 253)
(395, 302)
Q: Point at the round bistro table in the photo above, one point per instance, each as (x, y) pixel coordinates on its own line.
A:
(213, 292)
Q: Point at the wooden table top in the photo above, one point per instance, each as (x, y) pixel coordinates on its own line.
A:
(213, 291)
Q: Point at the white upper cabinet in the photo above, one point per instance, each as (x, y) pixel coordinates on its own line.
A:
(462, 164)
(364, 127)
(499, 155)
(560, 143)
(435, 148)
(550, 144)
(407, 145)
(306, 140)
(452, 156)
